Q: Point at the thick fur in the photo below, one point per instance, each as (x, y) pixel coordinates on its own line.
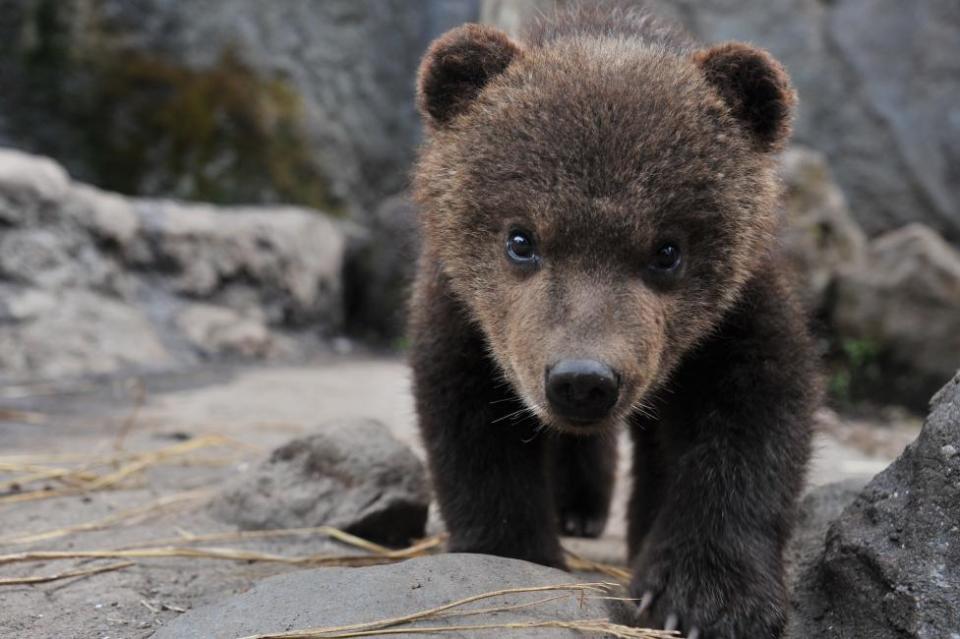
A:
(603, 140)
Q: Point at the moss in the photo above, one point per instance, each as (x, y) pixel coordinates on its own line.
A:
(855, 368)
(223, 133)
(148, 125)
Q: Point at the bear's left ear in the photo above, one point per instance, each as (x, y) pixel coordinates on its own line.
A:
(756, 88)
(457, 67)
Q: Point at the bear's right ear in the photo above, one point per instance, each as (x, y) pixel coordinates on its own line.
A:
(457, 67)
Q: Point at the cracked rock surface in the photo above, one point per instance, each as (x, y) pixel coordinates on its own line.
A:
(890, 567)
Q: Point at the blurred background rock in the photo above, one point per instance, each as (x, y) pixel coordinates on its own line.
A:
(237, 172)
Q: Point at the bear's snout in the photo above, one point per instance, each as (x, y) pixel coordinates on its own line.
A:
(581, 390)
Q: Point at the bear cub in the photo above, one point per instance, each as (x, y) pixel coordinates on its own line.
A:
(599, 210)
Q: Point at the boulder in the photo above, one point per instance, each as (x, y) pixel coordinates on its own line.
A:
(883, 115)
(74, 332)
(819, 508)
(381, 268)
(282, 261)
(889, 565)
(328, 597)
(352, 474)
(820, 235)
(216, 331)
(903, 303)
(95, 282)
(229, 101)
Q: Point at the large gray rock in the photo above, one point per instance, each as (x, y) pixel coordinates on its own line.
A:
(340, 596)
(818, 509)
(93, 282)
(381, 267)
(224, 100)
(903, 303)
(352, 475)
(890, 567)
(820, 236)
(885, 116)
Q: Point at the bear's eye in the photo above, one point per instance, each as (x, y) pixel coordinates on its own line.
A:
(520, 247)
(666, 259)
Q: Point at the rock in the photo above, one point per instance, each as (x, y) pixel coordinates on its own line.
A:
(283, 261)
(222, 100)
(903, 301)
(218, 331)
(380, 270)
(352, 474)
(77, 332)
(818, 509)
(889, 567)
(95, 282)
(884, 116)
(340, 596)
(820, 235)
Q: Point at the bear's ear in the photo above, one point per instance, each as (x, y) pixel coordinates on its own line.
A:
(457, 67)
(756, 88)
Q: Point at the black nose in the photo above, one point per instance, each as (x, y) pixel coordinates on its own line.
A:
(582, 389)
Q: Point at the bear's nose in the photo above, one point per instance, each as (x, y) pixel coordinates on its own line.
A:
(582, 390)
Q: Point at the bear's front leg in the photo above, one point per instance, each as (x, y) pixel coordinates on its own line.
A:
(486, 459)
(711, 565)
(734, 439)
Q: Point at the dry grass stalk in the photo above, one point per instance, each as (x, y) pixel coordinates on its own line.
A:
(576, 562)
(389, 626)
(126, 465)
(432, 613)
(40, 473)
(233, 554)
(585, 626)
(247, 535)
(85, 572)
(126, 518)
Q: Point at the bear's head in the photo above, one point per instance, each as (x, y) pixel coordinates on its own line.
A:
(597, 203)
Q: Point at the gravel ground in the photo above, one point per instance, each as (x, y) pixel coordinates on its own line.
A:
(260, 408)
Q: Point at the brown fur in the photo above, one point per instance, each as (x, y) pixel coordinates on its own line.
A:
(605, 142)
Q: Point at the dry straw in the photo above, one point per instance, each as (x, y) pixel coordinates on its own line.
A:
(113, 469)
(232, 554)
(123, 518)
(69, 574)
(402, 624)
(79, 474)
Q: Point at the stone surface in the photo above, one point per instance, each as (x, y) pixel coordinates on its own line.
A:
(216, 331)
(93, 282)
(885, 116)
(820, 236)
(819, 508)
(351, 474)
(339, 596)
(260, 406)
(382, 268)
(889, 568)
(223, 100)
(903, 301)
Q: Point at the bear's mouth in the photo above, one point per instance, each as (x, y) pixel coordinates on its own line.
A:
(612, 421)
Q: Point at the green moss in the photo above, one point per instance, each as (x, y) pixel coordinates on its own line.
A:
(223, 133)
(149, 125)
(856, 369)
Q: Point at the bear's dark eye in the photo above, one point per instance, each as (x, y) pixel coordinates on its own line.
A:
(666, 259)
(520, 247)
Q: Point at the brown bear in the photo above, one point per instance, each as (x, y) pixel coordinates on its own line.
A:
(599, 209)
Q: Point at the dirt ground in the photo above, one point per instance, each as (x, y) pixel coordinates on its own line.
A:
(145, 454)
